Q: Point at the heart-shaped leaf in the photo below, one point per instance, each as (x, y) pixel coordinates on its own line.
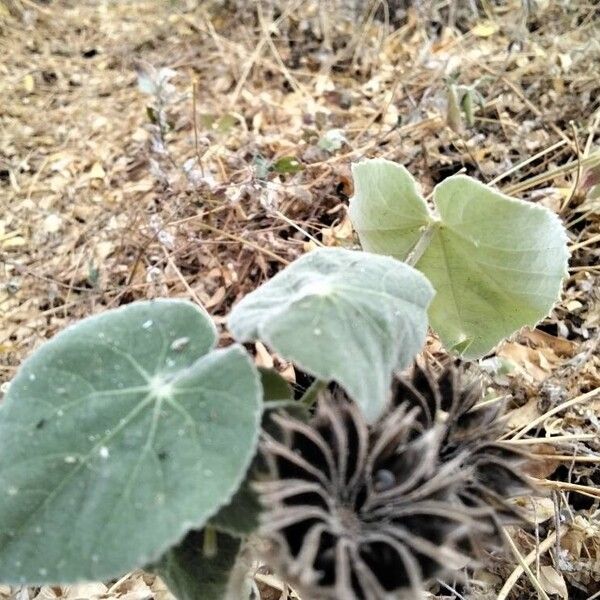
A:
(117, 437)
(387, 209)
(496, 263)
(344, 316)
(191, 574)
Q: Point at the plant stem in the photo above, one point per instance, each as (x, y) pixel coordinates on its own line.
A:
(210, 542)
(310, 395)
(422, 244)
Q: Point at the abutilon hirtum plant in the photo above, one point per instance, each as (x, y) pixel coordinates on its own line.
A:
(359, 512)
(144, 427)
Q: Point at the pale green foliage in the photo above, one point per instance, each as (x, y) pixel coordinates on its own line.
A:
(496, 263)
(117, 437)
(129, 429)
(344, 316)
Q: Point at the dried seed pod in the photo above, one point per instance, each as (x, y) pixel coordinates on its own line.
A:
(472, 433)
(362, 513)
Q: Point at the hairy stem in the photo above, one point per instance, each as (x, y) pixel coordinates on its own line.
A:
(422, 244)
(210, 542)
(311, 394)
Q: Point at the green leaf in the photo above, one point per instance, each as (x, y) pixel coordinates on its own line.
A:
(226, 123)
(207, 120)
(496, 263)
(192, 575)
(275, 387)
(240, 517)
(287, 164)
(387, 209)
(350, 317)
(152, 114)
(117, 437)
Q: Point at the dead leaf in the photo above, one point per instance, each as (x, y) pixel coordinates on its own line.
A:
(263, 358)
(574, 541)
(12, 240)
(528, 360)
(519, 417)
(573, 305)
(553, 582)
(537, 510)
(559, 345)
(85, 591)
(338, 233)
(97, 171)
(544, 464)
(216, 298)
(485, 29)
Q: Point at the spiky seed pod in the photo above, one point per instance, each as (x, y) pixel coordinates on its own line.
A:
(472, 433)
(359, 513)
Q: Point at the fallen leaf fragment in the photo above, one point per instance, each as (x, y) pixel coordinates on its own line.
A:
(28, 83)
(485, 29)
(85, 591)
(553, 582)
(97, 171)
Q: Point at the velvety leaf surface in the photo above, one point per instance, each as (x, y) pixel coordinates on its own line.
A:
(118, 436)
(344, 316)
(496, 263)
(387, 209)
